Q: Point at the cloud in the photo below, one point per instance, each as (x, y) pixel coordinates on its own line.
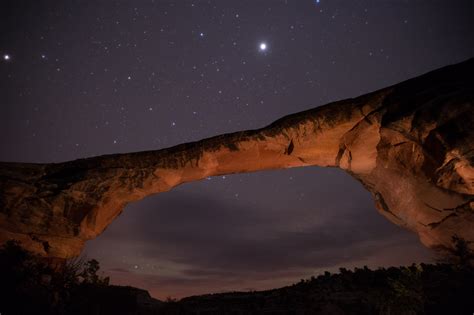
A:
(121, 270)
(193, 229)
(200, 238)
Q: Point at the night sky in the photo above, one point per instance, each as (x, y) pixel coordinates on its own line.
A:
(86, 78)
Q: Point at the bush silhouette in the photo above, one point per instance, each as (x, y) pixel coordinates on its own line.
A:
(31, 286)
(463, 256)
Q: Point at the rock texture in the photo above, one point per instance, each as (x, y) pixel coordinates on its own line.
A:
(411, 145)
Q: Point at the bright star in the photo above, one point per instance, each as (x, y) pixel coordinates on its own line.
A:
(6, 57)
(263, 46)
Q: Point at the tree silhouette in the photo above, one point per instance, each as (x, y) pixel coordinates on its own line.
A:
(461, 252)
(29, 285)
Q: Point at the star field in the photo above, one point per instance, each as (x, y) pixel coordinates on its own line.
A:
(82, 79)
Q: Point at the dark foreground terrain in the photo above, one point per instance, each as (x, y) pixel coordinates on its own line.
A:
(30, 286)
(423, 289)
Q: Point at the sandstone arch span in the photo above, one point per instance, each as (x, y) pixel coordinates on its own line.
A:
(411, 145)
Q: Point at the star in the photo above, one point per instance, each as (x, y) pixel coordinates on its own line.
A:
(6, 57)
(263, 46)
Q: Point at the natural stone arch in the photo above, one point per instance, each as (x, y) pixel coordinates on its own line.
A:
(410, 145)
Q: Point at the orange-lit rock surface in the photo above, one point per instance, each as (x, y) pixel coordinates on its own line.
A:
(411, 145)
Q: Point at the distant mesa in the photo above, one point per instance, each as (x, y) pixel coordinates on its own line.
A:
(411, 145)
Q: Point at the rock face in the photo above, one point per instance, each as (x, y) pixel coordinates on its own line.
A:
(411, 145)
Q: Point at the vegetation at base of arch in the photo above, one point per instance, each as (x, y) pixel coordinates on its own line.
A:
(29, 286)
(443, 288)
